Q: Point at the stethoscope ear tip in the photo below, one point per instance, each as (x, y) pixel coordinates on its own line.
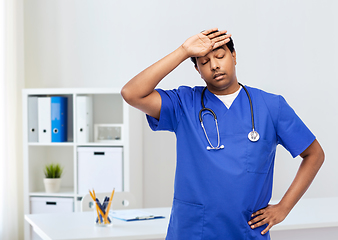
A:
(221, 147)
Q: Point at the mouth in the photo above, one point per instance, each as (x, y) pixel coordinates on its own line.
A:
(219, 76)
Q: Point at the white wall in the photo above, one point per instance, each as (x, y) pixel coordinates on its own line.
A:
(286, 47)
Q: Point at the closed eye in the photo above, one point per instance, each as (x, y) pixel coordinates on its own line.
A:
(220, 56)
(205, 62)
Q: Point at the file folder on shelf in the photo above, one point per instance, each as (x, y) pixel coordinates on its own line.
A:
(44, 120)
(59, 119)
(33, 119)
(84, 116)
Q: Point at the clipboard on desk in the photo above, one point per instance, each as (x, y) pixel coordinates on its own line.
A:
(134, 215)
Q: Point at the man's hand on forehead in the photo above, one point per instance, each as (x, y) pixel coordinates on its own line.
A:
(201, 44)
(218, 38)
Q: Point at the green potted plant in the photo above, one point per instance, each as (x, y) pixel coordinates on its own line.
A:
(52, 179)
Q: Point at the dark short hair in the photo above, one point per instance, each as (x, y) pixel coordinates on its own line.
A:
(229, 44)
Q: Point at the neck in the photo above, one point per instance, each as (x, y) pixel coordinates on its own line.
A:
(231, 88)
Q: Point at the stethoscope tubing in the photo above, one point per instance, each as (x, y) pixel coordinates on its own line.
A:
(253, 135)
(251, 108)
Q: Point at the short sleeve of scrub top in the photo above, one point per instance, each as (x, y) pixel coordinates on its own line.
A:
(171, 111)
(292, 133)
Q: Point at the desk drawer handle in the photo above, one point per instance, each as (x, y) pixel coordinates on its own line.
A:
(50, 203)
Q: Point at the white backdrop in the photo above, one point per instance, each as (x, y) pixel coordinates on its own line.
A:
(286, 47)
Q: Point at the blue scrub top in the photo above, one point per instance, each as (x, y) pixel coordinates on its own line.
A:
(216, 191)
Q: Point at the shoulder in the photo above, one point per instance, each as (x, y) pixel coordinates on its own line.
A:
(190, 90)
(271, 100)
(182, 92)
(262, 93)
(184, 89)
(181, 96)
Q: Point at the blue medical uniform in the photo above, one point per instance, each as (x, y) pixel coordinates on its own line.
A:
(216, 191)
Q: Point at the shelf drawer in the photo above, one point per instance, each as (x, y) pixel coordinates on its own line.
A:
(100, 168)
(51, 205)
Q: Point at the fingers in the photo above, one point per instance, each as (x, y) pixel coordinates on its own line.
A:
(259, 212)
(216, 34)
(266, 229)
(221, 40)
(213, 33)
(206, 32)
(270, 215)
(257, 222)
(261, 223)
(256, 219)
(217, 38)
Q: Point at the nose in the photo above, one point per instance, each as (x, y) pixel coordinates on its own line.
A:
(214, 64)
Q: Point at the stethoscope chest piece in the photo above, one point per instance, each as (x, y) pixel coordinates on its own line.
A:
(253, 136)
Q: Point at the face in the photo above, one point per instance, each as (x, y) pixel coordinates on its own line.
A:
(217, 69)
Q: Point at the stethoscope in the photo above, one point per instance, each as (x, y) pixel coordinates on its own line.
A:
(253, 135)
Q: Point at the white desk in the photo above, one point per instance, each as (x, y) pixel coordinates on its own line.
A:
(311, 213)
(80, 226)
(308, 213)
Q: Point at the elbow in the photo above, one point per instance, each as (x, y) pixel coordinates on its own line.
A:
(320, 154)
(321, 157)
(126, 95)
(131, 95)
(314, 154)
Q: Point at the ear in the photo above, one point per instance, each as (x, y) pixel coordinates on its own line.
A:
(234, 56)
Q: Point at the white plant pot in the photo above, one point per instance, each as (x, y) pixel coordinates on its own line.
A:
(52, 185)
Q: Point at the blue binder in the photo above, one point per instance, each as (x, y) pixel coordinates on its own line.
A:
(59, 119)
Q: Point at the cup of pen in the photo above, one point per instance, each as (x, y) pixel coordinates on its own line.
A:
(101, 213)
(101, 209)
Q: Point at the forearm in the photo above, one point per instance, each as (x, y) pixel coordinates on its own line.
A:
(313, 158)
(306, 173)
(145, 82)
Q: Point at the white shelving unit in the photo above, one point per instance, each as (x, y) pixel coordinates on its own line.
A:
(108, 108)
